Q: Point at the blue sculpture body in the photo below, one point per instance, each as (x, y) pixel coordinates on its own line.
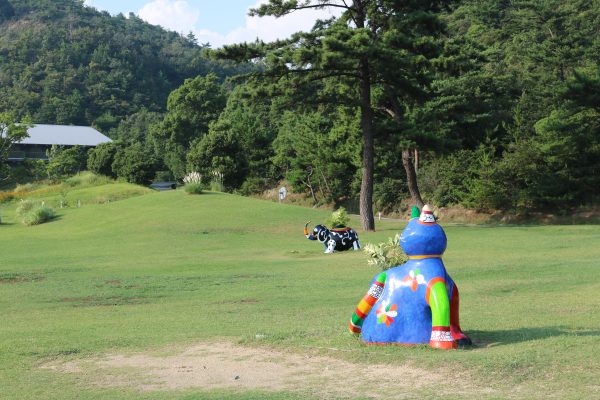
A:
(416, 302)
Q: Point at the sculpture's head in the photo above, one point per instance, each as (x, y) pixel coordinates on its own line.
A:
(321, 232)
(423, 235)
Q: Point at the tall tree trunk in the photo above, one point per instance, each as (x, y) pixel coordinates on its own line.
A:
(409, 163)
(411, 178)
(366, 123)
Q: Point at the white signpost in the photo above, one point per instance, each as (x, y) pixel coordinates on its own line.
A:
(282, 194)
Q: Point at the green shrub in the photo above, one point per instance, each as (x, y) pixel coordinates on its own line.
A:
(27, 187)
(87, 179)
(217, 186)
(38, 216)
(254, 185)
(101, 158)
(338, 218)
(24, 207)
(193, 188)
(64, 161)
(386, 255)
(135, 164)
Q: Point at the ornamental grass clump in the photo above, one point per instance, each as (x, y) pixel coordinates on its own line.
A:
(193, 183)
(192, 177)
(38, 216)
(193, 188)
(31, 214)
(338, 218)
(386, 255)
(24, 207)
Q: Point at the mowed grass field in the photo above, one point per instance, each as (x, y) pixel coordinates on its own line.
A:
(167, 270)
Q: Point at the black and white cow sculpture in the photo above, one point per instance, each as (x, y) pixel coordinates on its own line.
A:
(336, 239)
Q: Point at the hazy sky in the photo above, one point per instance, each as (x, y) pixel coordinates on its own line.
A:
(217, 22)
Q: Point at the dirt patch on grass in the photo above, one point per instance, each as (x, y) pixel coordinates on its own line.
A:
(12, 278)
(227, 366)
(100, 301)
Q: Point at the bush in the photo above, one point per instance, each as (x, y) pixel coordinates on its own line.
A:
(38, 216)
(101, 158)
(338, 218)
(386, 255)
(24, 207)
(27, 187)
(217, 186)
(32, 214)
(193, 188)
(87, 179)
(135, 164)
(254, 185)
(63, 161)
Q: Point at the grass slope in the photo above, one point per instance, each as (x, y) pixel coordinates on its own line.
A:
(170, 269)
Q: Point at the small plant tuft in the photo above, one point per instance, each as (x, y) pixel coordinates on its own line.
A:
(193, 188)
(38, 216)
(216, 186)
(338, 218)
(32, 214)
(386, 255)
(24, 207)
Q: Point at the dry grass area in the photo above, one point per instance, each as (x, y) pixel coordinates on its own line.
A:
(227, 366)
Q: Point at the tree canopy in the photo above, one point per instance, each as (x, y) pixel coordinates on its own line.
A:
(491, 105)
(373, 45)
(65, 63)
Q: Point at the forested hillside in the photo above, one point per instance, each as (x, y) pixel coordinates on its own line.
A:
(64, 63)
(487, 104)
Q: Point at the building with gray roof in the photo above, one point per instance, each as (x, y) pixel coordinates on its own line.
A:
(42, 137)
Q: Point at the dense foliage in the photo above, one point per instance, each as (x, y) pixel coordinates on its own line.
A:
(10, 133)
(64, 63)
(527, 119)
(488, 104)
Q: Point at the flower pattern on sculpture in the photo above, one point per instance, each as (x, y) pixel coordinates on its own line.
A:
(414, 279)
(386, 313)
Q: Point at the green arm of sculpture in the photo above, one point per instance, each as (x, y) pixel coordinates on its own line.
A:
(437, 297)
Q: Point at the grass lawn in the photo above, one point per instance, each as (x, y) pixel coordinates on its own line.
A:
(168, 270)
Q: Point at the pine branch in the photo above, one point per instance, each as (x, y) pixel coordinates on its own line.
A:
(279, 8)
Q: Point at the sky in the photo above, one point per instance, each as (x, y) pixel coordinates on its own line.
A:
(211, 21)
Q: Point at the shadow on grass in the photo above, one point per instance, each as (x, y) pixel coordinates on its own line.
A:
(511, 336)
(206, 193)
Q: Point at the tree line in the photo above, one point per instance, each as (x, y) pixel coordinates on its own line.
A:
(486, 104)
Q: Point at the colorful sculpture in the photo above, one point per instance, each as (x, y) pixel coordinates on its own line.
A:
(416, 302)
(336, 239)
